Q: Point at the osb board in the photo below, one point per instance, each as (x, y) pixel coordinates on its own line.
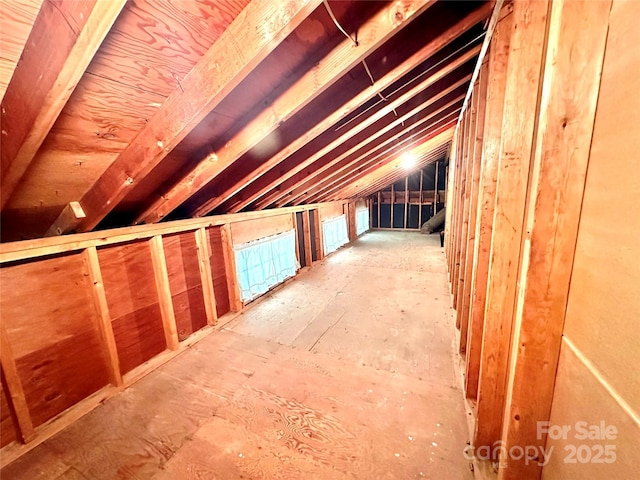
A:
(604, 307)
(47, 311)
(7, 428)
(16, 21)
(132, 298)
(184, 281)
(579, 397)
(331, 210)
(220, 288)
(242, 232)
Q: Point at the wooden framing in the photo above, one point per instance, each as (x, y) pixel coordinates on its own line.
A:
(36, 95)
(206, 275)
(103, 315)
(199, 92)
(476, 160)
(382, 83)
(235, 299)
(315, 81)
(307, 239)
(302, 177)
(343, 166)
(470, 177)
(521, 100)
(72, 215)
(497, 78)
(16, 392)
(86, 244)
(576, 45)
(164, 292)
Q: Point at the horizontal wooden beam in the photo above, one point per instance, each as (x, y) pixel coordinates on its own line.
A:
(259, 28)
(71, 216)
(339, 113)
(64, 38)
(12, 251)
(388, 21)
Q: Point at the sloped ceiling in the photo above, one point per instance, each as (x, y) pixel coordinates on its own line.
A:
(148, 110)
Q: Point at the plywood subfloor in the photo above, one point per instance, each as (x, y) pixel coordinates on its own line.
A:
(346, 372)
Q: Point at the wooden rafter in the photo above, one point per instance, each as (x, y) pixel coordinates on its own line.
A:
(359, 127)
(396, 175)
(333, 176)
(340, 178)
(384, 177)
(64, 38)
(255, 33)
(339, 113)
(303, 182)
(315, 81)
(424, 147)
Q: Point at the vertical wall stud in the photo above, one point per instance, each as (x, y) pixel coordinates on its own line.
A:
(235, 300)
(90, 257)
(16, 392)
(164, 292)
(206, 275)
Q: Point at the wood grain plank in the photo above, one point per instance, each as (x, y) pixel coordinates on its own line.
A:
(65, 38)
(161, 277)
(206, 275)
(90, 256)
(57, 348)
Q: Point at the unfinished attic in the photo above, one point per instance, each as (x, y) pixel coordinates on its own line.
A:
(306, 239)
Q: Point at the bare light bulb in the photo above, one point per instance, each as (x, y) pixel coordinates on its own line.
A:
(408, 160)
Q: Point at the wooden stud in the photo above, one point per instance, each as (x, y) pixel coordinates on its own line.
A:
(90, 258)
(464, 210)
(16, 392)
(521, 105)
(497, 78)
(161, 277)
(406, 200)
(314, 82)
(420, 198)
(573, 68)
(235, 300)
(379, 206)
(71, 215)
(435, 191)
(318, 234)
(295, 227)
(308, 258)
(52, 63)
(476, 163)
(206, 276)
(255, 33)
(392, 201)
